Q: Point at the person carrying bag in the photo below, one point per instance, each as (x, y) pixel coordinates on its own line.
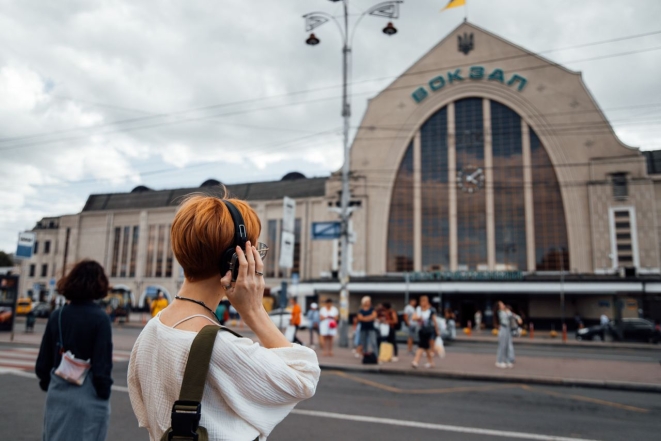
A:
(74, 365)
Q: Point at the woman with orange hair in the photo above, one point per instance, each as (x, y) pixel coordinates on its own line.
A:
(249, 388)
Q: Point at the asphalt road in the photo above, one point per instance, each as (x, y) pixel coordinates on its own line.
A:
(383, 407)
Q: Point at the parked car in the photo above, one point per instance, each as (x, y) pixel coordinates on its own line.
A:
(633, 329)
(23, 306)
(42, 310)
(281, 318)
(596, 332)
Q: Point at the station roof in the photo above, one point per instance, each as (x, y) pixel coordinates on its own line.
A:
(144, 198)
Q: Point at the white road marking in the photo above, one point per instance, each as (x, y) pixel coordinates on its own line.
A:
(440, 427)
(375, 420)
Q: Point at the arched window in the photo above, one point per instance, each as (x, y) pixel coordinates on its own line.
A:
(489, 178)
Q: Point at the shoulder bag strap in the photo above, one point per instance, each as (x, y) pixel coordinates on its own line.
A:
(59, 327)
(186, 411)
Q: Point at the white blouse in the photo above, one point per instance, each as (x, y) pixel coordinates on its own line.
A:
(249, 389)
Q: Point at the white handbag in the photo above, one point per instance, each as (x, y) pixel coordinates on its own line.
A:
(384, 329)
(72, 369)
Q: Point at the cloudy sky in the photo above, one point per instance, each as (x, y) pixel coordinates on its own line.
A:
(101, 96)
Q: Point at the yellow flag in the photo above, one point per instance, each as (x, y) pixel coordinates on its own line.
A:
(454, 4)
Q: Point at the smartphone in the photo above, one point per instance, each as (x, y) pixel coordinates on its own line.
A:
(234, 267)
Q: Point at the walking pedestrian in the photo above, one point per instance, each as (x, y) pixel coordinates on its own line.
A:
(158, 304)
(505, 356)
(249, 387)
(295, 319)
(603, 322)
(390, 316)
(366, 318)
(313, 319)
(411, 328)
(478, 320)
(427, 328)
(74, 364)
(328, 316)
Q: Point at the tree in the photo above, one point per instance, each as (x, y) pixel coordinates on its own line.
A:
(5, 259)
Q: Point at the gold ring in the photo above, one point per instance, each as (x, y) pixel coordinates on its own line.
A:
(259, 274)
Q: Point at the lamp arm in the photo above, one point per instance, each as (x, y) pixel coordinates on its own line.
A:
(371, 11)
(328, 17)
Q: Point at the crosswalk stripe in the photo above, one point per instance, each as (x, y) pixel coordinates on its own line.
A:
(25, 358)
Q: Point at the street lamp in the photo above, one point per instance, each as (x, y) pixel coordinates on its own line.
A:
(389, 9)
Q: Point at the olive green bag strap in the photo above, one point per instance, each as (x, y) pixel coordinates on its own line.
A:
(187, 410)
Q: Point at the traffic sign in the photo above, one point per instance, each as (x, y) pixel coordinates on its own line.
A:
(326, 230)
(25, 245)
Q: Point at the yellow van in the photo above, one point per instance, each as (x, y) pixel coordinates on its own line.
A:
(23, 306)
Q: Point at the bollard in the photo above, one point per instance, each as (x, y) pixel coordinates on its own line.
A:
(564, 333)
(532, 330)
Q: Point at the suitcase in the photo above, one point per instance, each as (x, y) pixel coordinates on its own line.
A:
(370, 358)
(385, 352)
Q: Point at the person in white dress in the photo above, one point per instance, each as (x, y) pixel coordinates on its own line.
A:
(249, 388)
(328, 316)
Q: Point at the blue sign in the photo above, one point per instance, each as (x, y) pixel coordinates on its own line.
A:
(326, 230)
(25, 245)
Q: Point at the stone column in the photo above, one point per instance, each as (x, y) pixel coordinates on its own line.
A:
(417, 203)
(528, 197)
(452, 188)
(488, 166)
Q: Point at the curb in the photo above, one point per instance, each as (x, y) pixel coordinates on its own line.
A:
(546, 381)
(559, 343)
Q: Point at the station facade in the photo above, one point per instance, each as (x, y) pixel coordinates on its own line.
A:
(484, 172)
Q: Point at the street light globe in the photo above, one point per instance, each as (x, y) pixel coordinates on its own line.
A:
(390, 29)
(312, 40)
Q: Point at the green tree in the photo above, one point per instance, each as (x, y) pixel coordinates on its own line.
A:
(5, 259)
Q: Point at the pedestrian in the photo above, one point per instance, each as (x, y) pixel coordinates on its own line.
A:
(578, 321)
(427, 328)
(74, 364)
(411, 328)
(313, 320)
(295, 319)
(328, 316)
(221, 310)
(366, 318)
(392, 320)
(159, 304)
(603, 322)
(505, 356)
(478, 320)
(250, 387)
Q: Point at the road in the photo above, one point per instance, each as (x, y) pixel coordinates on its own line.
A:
(365, 407)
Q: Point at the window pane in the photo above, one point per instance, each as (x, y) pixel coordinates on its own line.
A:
(434, 192)
(551, 245)
(509, 203)
(115, 252)
(168, 259)
(159, 253)
(44, 270)
(134, 250)
(400, 221)
(47, 247)
(151, 248)
(271, 262)
(125, 251)
(471, 206)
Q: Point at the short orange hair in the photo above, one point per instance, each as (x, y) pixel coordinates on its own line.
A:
(203, 229)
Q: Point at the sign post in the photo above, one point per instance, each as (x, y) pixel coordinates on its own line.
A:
(287, 238)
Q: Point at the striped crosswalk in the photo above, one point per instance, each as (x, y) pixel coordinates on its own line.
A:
(23, 358)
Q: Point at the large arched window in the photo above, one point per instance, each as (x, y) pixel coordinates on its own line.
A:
(476, 168)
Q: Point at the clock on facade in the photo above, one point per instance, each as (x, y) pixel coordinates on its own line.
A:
(470, 179)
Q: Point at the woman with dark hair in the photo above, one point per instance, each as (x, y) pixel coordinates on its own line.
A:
(75, 359)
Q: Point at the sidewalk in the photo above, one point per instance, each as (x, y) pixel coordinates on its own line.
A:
(638, 376)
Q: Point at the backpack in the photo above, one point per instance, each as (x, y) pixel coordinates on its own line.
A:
(187, 410)
(370, 358)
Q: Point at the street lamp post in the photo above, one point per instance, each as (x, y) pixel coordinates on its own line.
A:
(388, 9)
